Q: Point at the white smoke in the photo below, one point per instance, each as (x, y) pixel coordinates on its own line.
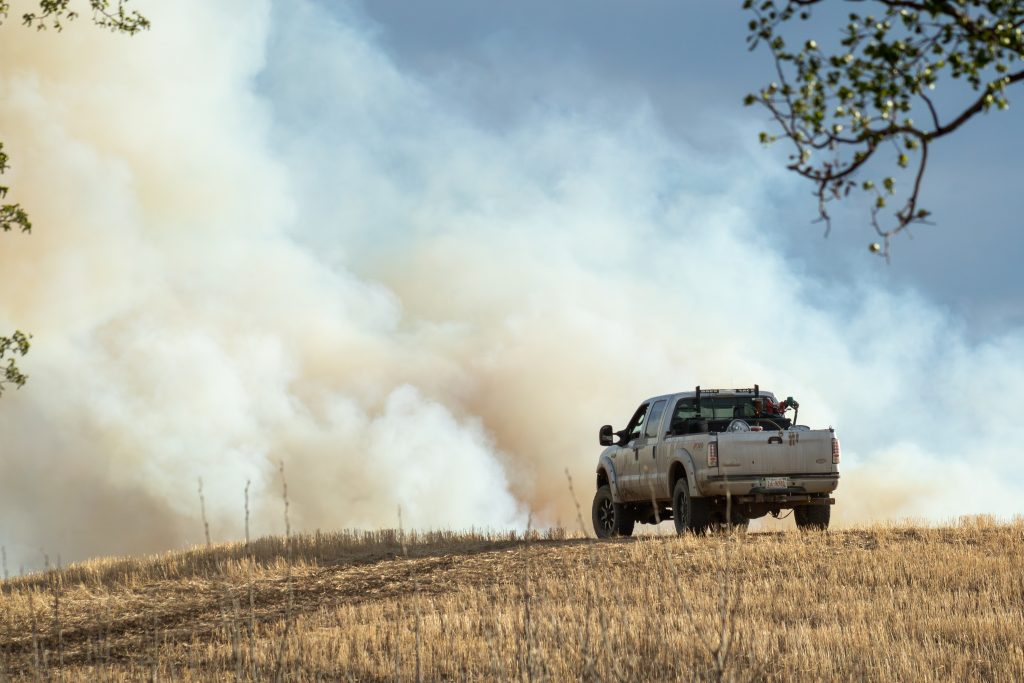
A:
(258, 240)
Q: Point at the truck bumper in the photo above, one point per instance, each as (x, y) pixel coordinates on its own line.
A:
(784, 499)
(800, 486)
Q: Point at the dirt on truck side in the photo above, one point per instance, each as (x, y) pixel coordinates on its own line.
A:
(713, 458)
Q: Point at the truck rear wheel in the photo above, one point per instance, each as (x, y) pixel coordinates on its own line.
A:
(812, 516)
(610, 518)
(689, 514)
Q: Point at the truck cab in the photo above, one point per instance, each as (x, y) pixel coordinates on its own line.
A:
(714, 458)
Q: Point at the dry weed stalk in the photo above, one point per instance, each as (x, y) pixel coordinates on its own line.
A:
(35, 635)
(416, 598)
(230, 621)
(605, 644)
(250, 561)
(202, 512)
(290, 604)
(154, 657)
(527, 667)
(58, 628)
(399, 620)
(5, 651)
(728, 597)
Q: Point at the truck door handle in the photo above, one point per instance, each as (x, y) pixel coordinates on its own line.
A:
(636, 454)
(775, 439)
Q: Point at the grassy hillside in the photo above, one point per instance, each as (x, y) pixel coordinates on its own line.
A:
(900, 603)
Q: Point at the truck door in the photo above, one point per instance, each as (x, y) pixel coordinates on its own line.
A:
(628, 455)
(676, 424)
(645, 451)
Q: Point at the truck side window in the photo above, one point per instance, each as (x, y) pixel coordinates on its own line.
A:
(635, 426)
(685, 408)
(654, 420)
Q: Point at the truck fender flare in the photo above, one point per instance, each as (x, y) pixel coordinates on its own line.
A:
(684, 458)
(605, 463)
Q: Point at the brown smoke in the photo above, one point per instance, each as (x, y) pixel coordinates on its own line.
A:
(337, 269)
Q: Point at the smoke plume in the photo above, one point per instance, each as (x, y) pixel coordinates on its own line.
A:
(259, 240)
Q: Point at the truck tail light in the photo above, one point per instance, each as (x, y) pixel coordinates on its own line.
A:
(713, 454)
(836, 453)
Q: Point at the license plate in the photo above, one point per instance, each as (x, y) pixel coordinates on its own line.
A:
(775, 483)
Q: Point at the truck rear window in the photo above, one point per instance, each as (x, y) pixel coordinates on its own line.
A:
(717, 408)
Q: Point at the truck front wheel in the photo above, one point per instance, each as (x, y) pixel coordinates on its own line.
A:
(689, 514)
(812, 516)
(610, 518)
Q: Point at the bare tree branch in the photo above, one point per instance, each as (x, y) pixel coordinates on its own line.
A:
(838, 103)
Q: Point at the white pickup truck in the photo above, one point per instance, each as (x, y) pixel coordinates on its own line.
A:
(714, 457)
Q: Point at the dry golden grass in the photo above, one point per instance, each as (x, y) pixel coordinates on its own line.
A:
(878, 603)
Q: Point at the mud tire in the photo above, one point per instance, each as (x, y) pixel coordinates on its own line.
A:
(689, 514)
(610, 519)
(812, 516)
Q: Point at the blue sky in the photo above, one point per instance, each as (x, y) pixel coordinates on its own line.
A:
(690, 62)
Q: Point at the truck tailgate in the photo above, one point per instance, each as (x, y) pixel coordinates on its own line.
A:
(775, 453)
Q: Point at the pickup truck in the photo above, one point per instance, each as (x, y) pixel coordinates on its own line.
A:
(714, 458)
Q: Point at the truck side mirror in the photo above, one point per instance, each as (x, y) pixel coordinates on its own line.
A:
(605, 435)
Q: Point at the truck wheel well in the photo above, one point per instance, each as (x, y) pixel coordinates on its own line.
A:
(675, 473)
(602, 478)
